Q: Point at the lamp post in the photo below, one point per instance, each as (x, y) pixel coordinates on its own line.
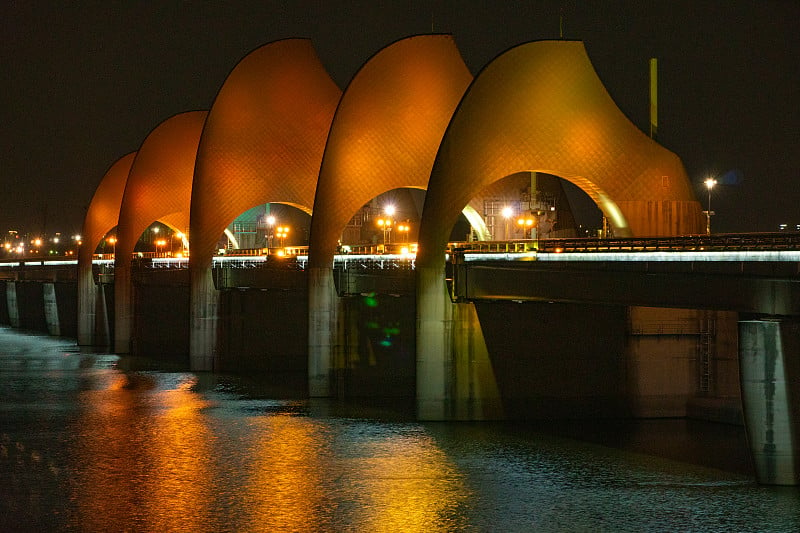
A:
(180, 236)
(525, 223)
(507, 213)
(710, 182)
(113, 242)
(386, 225)
(403, 228)
(282, 232)
(270, 230)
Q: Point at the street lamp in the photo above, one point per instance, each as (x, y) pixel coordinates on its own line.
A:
(525, 223)
(404, 228)
(282, 232)
(180, 236)
(113, 242)
(386, 225)
(270, 230)
(507, 214)
(710, 182)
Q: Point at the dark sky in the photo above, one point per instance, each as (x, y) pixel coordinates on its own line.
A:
(85, 82)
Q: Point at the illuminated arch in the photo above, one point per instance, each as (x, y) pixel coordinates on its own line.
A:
(541, 107)
(386, 131)
(159, 187)
(477, 222)
(101, 217)
(537, 107)
(263, 142)
(384, 136)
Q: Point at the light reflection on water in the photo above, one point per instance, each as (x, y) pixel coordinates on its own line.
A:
(85, 446)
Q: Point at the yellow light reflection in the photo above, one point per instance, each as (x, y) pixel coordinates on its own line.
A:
(142, 457)
(408, 484)
(180, 493)
(285, 492)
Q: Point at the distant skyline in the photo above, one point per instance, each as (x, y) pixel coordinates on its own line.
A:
(87, 81)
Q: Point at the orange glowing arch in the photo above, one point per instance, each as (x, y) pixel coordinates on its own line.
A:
(386, 131)
(158, 188)
(101, 217)
(541, 107)
(263, 141)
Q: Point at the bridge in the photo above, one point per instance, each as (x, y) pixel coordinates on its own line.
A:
(541, 329)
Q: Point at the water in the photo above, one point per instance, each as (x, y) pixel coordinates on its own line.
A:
(87, 446)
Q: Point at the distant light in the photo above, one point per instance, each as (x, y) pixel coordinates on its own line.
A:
(710, 182)
(389, 210)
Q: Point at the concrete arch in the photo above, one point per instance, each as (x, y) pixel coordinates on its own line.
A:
(263, 142)
(537, 107)
(159, 187)
(384, 136)
(101, 217)
(541, 107)
(386, 131)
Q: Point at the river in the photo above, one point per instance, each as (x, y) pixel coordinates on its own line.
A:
(88, 444)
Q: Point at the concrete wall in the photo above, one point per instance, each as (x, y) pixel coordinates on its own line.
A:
(376, 357)
(264, 331)
(557, 360)
(161, 318)
(665, 363)
(4, 318)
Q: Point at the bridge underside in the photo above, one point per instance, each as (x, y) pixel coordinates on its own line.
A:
(742, 287)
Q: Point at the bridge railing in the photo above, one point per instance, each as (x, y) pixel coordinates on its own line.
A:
(690, 243)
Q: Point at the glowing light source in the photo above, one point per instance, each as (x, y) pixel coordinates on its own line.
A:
(386, 225)
(709, 182)
(526, 222)
(282, 232)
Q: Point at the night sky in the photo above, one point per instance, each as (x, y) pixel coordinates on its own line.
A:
(85, 82)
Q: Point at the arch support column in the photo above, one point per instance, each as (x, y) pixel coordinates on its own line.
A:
(203, 337)
(87, 306)
(123, 308)
(322, 328)
(769, 355)
(13, 305)
(50, 303)
(434, 346)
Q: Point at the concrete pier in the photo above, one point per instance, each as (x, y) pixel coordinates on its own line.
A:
(203, 335)
(770, 374)
(322, 328)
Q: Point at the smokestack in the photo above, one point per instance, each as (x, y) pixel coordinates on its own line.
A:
(653, 97)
